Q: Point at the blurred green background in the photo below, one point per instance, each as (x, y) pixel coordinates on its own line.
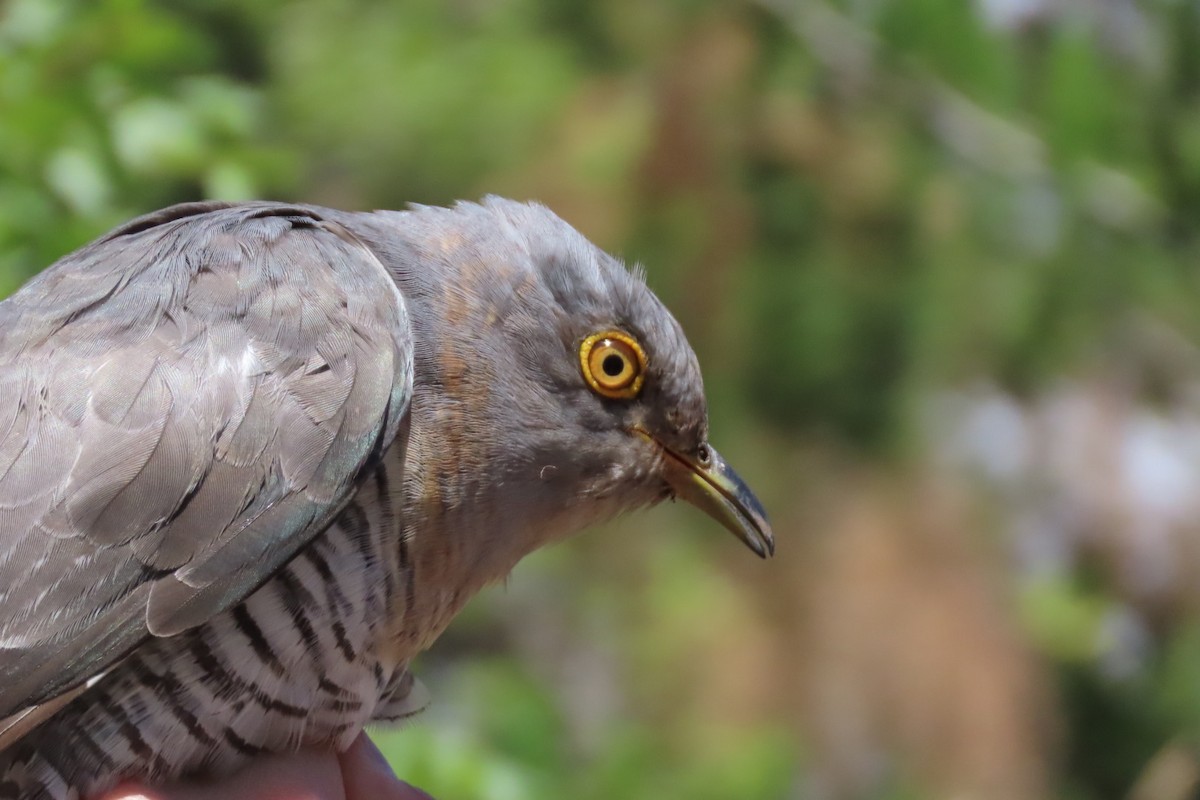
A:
(940, 263)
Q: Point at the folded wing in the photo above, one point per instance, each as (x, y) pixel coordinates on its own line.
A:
(183, 405)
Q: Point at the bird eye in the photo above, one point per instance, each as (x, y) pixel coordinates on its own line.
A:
(614, 364)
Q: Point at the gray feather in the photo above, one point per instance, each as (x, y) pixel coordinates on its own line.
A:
(183, 405)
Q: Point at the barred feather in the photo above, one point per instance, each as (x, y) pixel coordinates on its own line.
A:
(294, 665)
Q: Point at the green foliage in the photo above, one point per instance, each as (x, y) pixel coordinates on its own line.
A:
(516, 745)
(108, 109)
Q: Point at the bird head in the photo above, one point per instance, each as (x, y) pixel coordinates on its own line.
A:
(552, 371)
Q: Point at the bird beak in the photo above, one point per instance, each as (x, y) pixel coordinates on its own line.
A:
(718, 491)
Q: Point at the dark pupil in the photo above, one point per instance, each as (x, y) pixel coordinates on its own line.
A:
(613, 365)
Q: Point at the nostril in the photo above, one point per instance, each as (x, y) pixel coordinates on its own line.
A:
(704, 455)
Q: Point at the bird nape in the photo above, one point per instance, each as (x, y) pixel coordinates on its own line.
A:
(254, 457)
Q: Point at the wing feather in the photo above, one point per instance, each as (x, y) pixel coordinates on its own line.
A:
(183, 405)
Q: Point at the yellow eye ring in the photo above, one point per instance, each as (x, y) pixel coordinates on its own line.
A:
(613, 364)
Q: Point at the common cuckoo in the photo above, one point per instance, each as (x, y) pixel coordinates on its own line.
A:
(254, 457)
